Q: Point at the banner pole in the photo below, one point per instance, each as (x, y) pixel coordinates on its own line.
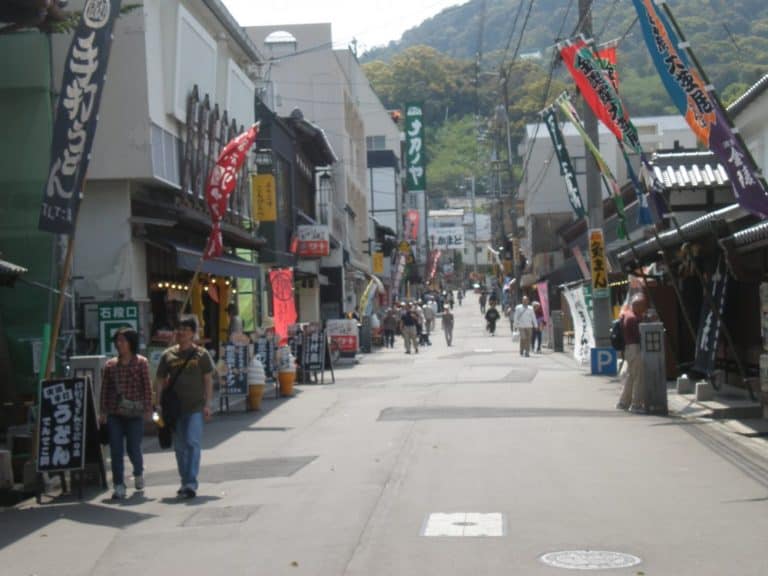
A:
(65, 275)
(195, 276)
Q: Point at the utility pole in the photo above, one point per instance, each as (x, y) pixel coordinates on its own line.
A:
(601, 307)
(474, 224)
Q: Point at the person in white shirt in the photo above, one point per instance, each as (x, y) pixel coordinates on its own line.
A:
(525, 322)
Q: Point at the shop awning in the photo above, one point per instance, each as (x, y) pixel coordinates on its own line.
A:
(188, 258)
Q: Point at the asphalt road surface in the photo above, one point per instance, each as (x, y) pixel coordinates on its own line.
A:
(466, 460)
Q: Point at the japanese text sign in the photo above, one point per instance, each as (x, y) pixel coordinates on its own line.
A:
(313, 241)
(447, 238)
(598, 263)
(415, 158)
(264, 199)
(62, 419)
(77, 113)
(112, 317)
(236, 380)
(343, 334)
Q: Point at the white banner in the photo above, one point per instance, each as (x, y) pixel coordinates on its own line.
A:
(583, 336)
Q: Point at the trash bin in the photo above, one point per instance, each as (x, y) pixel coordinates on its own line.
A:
(654, 363)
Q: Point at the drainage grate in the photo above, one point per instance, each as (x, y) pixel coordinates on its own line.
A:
(589, 560)
(243, 470)
(220, 516)
(414, 413)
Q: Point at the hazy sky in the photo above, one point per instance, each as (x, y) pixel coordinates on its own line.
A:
(372, 22)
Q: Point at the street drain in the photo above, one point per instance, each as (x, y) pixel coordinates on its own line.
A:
(589, 560)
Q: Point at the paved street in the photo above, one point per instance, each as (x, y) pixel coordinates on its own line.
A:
(528, 455)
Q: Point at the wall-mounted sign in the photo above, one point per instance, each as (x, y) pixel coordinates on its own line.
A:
(378, 262)
(264, 199)
(112, 317)
(313, 241)
(598, 263)
(415, 157)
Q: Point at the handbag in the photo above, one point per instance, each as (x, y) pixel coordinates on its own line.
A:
(129, 408)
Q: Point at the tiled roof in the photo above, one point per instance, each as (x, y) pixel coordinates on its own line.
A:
(741, 103)
(689, 170)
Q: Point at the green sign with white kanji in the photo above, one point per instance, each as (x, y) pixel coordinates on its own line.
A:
(415, 148)
(112, 317)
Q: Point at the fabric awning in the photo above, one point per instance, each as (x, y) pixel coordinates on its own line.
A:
(188, 258)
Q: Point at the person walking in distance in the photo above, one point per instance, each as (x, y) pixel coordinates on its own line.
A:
(525, 322)
(188, 369)
(408, 327)
(126, 402)
(483, 301)
(491, 317)
(633, 392)
(459, 295)
(389, 325)
(448, 326)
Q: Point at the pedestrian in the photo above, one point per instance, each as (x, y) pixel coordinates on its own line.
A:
(126, 402)
(491, 317)
(633, 392)
(483, 301)
(525, 322)
(460, 295)
(429, 318)
(448, 326)
(389, 325)
(235, 322)
(541, 322)
(450, 299)
(408, 327)
(188, 368)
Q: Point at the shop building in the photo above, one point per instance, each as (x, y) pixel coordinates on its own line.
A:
(181, 84)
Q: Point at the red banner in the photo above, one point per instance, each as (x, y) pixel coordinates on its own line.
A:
(221, 182)
(607, 58)
(283, 303)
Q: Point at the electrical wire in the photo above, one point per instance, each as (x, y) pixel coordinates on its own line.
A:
(607, 19)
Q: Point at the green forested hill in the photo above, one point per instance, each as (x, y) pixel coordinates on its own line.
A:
(730, 37)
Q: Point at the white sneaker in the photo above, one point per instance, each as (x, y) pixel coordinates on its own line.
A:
(119, 493)
(139, 483)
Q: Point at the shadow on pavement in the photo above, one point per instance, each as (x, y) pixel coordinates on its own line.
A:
(17, 524)
(198, 501)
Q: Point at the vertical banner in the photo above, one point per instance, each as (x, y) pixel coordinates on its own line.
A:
(701, 110)
(221, 182)
(584, 338)
(709, 325)
(598, 91)
(564, 160)
(77, 113)
(412, 225)
(377, 260)
(606, 57)
(415, 158)
(543, 290)
(283, 303)
(598, 263)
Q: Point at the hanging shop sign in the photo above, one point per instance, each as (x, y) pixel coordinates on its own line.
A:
(378, 262)
(449, 238)
(112, 317)
(313, 241)
(77, 114)
(598, 263)
(264, 198)
(709, 324)
(415, 157)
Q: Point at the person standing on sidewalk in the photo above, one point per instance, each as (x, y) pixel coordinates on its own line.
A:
(633, 392)
(525, 322)
(389, 325)
(491, 317)
(483, 300)
(190, 367)
(448, 326)
(126, 401)
(408, 327)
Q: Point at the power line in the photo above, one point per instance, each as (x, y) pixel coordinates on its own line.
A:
(512, 31)
(607, 19)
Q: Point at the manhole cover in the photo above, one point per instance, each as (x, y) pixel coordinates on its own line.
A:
(589, 560)
(220, 516)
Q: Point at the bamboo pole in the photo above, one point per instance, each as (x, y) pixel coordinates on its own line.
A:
(65, 275)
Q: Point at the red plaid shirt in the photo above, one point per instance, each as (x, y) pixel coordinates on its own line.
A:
(131, 380)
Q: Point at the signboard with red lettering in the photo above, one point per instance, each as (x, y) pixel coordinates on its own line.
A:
(343, 334)
(313, 241)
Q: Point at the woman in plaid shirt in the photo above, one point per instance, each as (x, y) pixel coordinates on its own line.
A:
(126, 401)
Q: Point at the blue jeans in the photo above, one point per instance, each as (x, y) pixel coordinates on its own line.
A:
(189, 432)
(125, 431)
